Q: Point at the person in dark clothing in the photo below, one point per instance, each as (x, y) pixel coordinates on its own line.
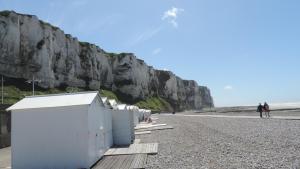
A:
(260, 109)
(267, 109)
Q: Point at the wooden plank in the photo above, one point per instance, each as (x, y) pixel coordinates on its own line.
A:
(107, 162)
(103, 163)
(128, 162)
(113, 162)
(137, 141)
(121, 151)
(134, 161)
(110, 151)
(133, 149)
(154, 128)
(121, 160)
(143, 161)
(155, 148)
(144, 148)
(139, 161)
(148, 126)
(125, 162)
(142, 132)
(151, 148)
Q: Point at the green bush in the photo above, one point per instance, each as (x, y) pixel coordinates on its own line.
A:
(73, 89)
(111, 55)
(4, 13)
(108, 94)
(156, 104)
(114, 55)
(13, 94)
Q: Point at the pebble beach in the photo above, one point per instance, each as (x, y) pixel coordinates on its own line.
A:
(208, 142)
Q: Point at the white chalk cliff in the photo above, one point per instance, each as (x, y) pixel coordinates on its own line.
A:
(29, 47)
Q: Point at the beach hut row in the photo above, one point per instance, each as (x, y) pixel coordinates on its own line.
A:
(138, 114)
(71, 130)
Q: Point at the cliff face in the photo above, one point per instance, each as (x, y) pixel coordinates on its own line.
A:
(30, 47)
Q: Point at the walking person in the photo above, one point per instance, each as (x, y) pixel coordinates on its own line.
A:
(267, 109)
(260, 109)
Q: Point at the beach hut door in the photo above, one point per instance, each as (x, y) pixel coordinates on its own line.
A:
(100, 142)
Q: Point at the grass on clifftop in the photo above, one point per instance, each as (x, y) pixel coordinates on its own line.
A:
(156, 104)
(13, 94)
(114, 55)
(108, 94)
(4, 13)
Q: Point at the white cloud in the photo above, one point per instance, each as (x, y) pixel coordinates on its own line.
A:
(171, 16)
(228, 87)
(156, 51)
(165, 69)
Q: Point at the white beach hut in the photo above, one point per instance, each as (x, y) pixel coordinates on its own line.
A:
(142, 114)
(60, 131)
(147, 113)
(123, 126)
(135, 111)
(106, 102)
(113, 103)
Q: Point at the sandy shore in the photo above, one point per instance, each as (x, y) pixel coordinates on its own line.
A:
(206, 142)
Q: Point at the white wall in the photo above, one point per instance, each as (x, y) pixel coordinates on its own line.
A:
(100, 131)
(141, 115)
(108, 128)
(122, 127)
(131, 118)
(135, 117)
(50, 138)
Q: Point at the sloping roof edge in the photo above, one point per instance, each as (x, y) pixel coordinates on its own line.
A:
(55, 100)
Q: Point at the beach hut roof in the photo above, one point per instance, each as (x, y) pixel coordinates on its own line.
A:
(104, 99)
(112, 102)
(122, 107)
(55, 100)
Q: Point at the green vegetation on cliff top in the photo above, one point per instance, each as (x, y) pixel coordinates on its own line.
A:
(5, 13)
(109, 94)
(156, 104)
(13, 94)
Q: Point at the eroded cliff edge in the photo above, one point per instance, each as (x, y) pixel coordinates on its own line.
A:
(29, 46)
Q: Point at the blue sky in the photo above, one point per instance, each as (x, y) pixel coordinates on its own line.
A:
(245, 51)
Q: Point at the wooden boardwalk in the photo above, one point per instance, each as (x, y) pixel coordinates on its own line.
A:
(131, 157)
(143, 148)
(134, 161)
